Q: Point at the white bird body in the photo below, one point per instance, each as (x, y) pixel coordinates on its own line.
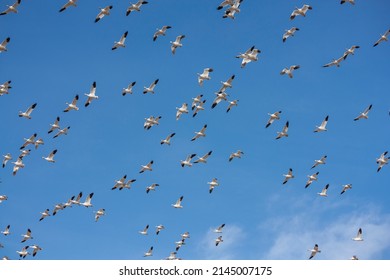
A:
(161, 32)
(225, 3)
(129, 89)
(214, 183)
(28, 141)
(58, 207)
(284, 132)
(196, 100)
(5, 87)
(319, 161)
(272, 118)
(87, 203)
(23, 253)
(12, 8)
(26, 236)
(248, 56)
(103, 12)
(177, 43)
(121, 42)
(227, 84)
(364, 115)
(205, 75)
(151, 121)
(178, 203)
(201, 133)
(219, 229)
(38, 142)
(349, 1)
(382, 161)
(135, 7)
(300, 12)
(289, 33)
(289, 71)
(288, 176)
(28, 112)
(167, 140)
(182, 110)
(17, 165)
(187, 161)
(91, 95)
(322, 127)
(50, 157)
(324, 191)
(151, 87)
(3, 45)
(311, 179)
(220, 96)
(185, 235)
(232, 104)
(73, 105)
(147, 167)
(359, 236)
(55, 125)
(119, 183)
(44, 214)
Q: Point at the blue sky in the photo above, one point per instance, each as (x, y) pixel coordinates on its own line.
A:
(53, 56)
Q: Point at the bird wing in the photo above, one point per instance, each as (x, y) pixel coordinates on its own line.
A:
(324, 122)
(367, 109)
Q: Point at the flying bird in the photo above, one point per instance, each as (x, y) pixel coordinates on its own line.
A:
(55, 125)
(235, 155)
(289, 33)
(284, 132)
(23, 253)
(272, 118)
(225, 3)
(3, 198)
(349, 1)
(381, 39)
(359, 236)
(50, 157)
(68, 4)
(382, 161)
(99, 213)
(220, 96)
(204, 76)
(144, 231)
(12, 8)
(121, 43)
(346, 187)
(218, 240)
(35, 248)
(178, 203)
(159, 228)
(103, 12)
(248, 56)
(288, 176)
(91, 95)
(219, 229)
(167, 140)
(322, 127)
(44, 214)
(289, 71)
(177, 43)
(314, 251)
(120, 182)
(201, 133)
(203, 159)
(300, 12)
(227, 84)
(161, 32)
(311, 179)
(179, 244)
(129, 89)
(135, 7)
(151, 87)
(182, 110)
(5, 87)
(73, 105)
(26, 236)
(28, 112)
(151, 121)
(147, 167)
(364, 114)
(6, 158)
(335, 62)
(214, 183)
(6, 231)
(3, 45)
(17, 165)
(324, 191)
(198, 107)
(149, 252)
(38, 142)
(185, 235)
(87, 202)
(319, 161)
(63, 131)
(196, 100)
(187, 161)
(152, 187)
(28, 141)
(350, 51)
(232, 104)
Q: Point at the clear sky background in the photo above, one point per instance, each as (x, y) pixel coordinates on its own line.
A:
(53, 56)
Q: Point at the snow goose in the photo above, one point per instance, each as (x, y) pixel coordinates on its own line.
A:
(350, 51)
(161, 32)
(382, 161)
(381, 39)
(322, 127)
(121, 43)
(349, 1)
(187, 161)
(99, 213)
(364, 115)
(284, 132)
(3, 45)
(147, 167)
(272, 118)
(3, 197)
(248, 56)
(214, 183)
(151, 121)
(185, 235)
(218, 240)
(50, 157)
(151, 87)
(204, 76)
(23, 253)
(73, 105)
(35, 248)
(144, 231)
(135, 7)
(229, 13)
(24, 153)
(177, 43)
(6, 158)
(127, 185)
(87, 203)
(68, 4)
(44, 214)
(334, 62)
(129, 89)
(220, 96)
(12, 8)
(196, 100)
(346, 187)
(182, 110)
(300, 12)
(28, 112)
(6, 231)
(55, 125)
(178, 203)
(62, 132)
(235, 155)
(199, 107)
(152, 187)
(91, 95)
(314, 251)
(38, 142)
(227, 84)
(103, 12)
(319, 161)
(159, 228)
(289, 33)
(179, 244)
(232, 104)
(201, 133)
(119, 183)
(289, 71)
(288, 176)
(58, 207)
(324, 191)
(354, 258)
(203, 159)
(359, 236)
(167, 140)
(311, 179)
(26, 236)
(5, 87)
(149, 253)
(225, 3)
(17, 165)
(172, 256)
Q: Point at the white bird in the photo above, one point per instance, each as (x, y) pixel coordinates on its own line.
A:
(227, 84)
(68, 4)
(233, 9)
(220, 96)
(204, 76)
(185, 235)
(23, 253)
(167, 140)
(196, 100)
(55, 125)
(354, 258)
(314, 251)
(91, 95)
(44, 214)
(201, 133)
(151, 87)
(322, 127)
(161, 32)
(334, 62)
(219, 229)
(235, 155)
(135, 7)
(144, 231)
(73, 105)
(284, 132)
(311, 179)
(349, 1)
(103, 12)
(359, 236)
(182, 110)
(35, 248)
(28, 141)
(24, 153)
(364, 115)
(121, 43)
(87, 202)
(159, 228)
(58, 207)
(214, 183)
(179, 244)
(178, 203)
(382, 161)
(381, 39)
(187, 161)
(151, 121)
(119, 183)
(346, 187)
(63, 131)
(350, 51)
(99, 213)
(127, 185)
(288, 176)
(12, 8)
(17, 165)
(225, 3)
(28, 112)
(203, 159)
(232, 104)
(324, 191)
(6, 157)
(129, 89)
(248, 56)
(149, 252)
(290, 32)
(6, 231)
(218, 240)
(50, 157)
(172, 256)
(177, 43)
(5, 87)
(319, 161)
(152, 187)
(26, 236)
(272, 118)
(289, 71)
(38, 142)
(300, 12)
(147, 167)
(198, 107)
(3, 197)
(3, 45)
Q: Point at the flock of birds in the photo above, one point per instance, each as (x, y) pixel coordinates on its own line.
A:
(232, 8)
